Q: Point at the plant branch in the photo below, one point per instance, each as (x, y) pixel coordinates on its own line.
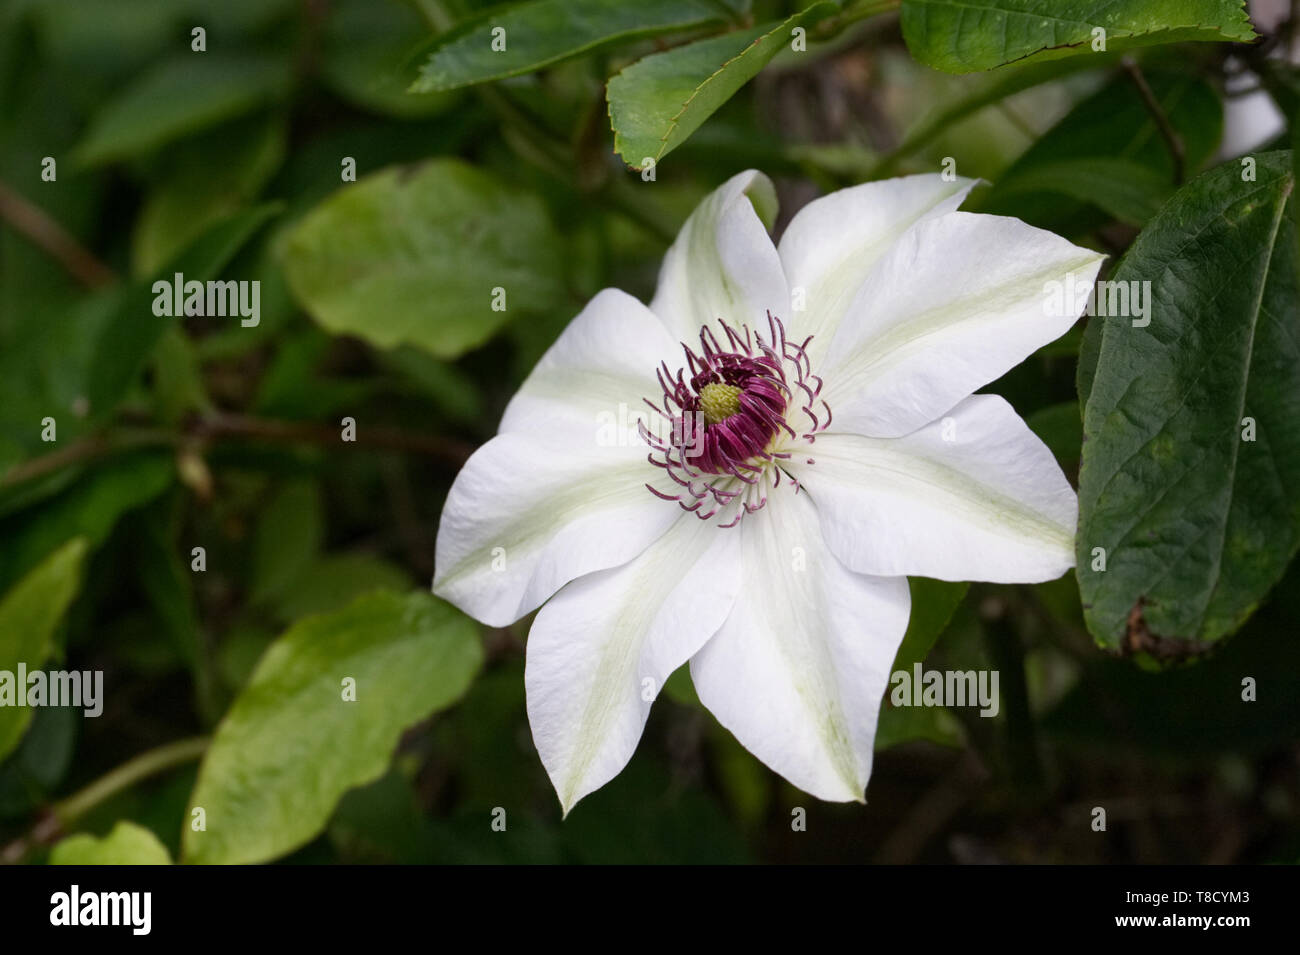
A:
(1170, 135)
(230, 426)
(59, 818)
(239, 426)
(33, 222)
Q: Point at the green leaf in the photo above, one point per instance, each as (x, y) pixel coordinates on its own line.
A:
(989, 90)
(456, 394)
(29, 613)
(125, 340)
(366, 45)
(178, 386)
(543, 32)
(657, 102)
(933, 604)
(1196, 521)
(203, 180)
(167, 582)
(179, 97)
(1089, 352)
(335, 580)
(1060, 427)
(1194, 711)
(127, 844)
(414, 255)
(1129, 192)
(291, 745)
(89, 508)
(1113, 133)
(33, 772)
(288, 538)
(907, 724)
(963, 36)
(383, 824)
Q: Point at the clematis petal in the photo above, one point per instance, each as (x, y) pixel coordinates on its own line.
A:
(723, 263)
(601, 649)
(831, 244)
(958, 301)
(798, 670)
(591, 381)
(524, 517)
(975, 496)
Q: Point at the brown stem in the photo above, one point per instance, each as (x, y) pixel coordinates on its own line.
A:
(220, 426)
(1167, 131)
(57, 820)
(87, 449)
(33, 222)
(239, 426)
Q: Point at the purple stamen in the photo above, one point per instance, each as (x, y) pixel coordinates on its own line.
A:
(727, 409)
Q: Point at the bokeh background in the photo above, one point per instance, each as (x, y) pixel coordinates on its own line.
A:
(176, 433)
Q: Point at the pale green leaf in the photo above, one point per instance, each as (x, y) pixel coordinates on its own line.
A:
(127, 844)
(292, 744)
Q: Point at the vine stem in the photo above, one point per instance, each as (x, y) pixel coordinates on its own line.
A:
(1170, 135)
(33, 222)
(232, 426)
(59, 818)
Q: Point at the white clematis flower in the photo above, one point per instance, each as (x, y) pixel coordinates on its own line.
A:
(814, 439)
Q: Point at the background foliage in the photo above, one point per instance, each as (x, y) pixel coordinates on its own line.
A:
(556, 167)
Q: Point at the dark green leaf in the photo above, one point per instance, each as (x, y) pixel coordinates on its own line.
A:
(1113, 132)
(89, 508)
(367, 44)
(1060, 427)
(1127, 712)
(203, 180)
(1192, 451)
(131, 330)
(1129, 192)
(933, 603)
(288, 538)
(962, 36)
(182, 96)
(543, 32)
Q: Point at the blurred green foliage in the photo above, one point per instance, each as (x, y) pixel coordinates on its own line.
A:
(195, 526)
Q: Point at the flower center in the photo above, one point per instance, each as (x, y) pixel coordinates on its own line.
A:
(718, 402)
(736, 411)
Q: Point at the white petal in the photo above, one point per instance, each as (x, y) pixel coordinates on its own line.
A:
(958, 301)
(831, 244)
(597, 373)
(975, 496)
(798, 670)
(526, 515)
(601, 649)
(723, 264)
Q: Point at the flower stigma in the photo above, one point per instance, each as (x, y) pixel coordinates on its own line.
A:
(718, 402)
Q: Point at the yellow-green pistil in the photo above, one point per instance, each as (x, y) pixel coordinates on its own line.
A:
(718, 402)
